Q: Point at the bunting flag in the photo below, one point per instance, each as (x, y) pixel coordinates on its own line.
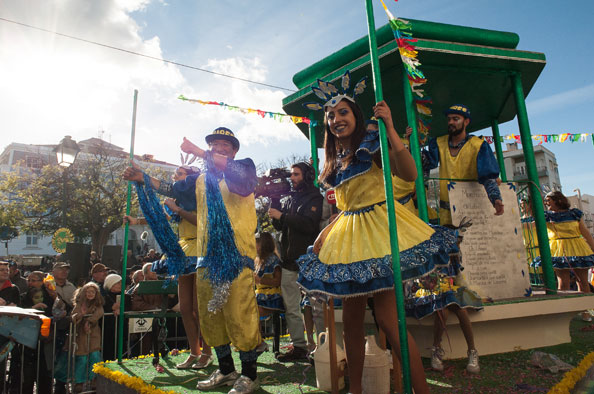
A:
(403, 34)
(544, 138)
(264, 114)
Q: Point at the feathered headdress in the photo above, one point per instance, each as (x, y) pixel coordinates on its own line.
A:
(331, 95)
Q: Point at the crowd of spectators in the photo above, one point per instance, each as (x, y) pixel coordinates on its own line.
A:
(51, 291)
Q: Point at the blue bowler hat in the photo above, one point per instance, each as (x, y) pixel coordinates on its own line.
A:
(458, 109)
(223, 133)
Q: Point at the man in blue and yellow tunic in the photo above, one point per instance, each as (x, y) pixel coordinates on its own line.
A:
(225, 218)
(462, 156)
(226, 224)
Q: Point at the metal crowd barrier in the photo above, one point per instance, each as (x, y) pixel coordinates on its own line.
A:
(15, 368)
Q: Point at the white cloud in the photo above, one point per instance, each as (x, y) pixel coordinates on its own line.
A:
(561, 100)
(58, 86)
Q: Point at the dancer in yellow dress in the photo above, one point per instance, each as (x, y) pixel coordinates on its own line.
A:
(572, 246)
(351, 259)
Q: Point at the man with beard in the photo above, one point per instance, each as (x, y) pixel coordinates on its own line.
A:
(462, 156)
(299, 221)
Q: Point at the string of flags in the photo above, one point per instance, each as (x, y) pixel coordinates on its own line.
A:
(264, 114)
(544, 138)
(402, 31)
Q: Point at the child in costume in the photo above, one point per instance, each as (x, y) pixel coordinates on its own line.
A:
(439, 294)
(351, 258)
(530, 240)
(267, 276)
(88, 309)
(570, 241)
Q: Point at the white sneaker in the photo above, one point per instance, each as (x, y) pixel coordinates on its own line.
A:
(245, 385)
(473, 362)
(437, 354)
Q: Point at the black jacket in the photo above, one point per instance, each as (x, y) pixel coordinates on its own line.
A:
(300, 224)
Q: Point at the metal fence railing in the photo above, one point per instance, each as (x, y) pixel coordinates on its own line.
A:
(52, 367)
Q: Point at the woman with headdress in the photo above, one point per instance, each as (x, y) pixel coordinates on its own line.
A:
(351, 258)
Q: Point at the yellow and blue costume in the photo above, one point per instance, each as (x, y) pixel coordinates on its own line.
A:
(475, 161)
(355, 258)
(436, 292)
(237, 320)
(531, 243)
(569, 250)
(269, 297)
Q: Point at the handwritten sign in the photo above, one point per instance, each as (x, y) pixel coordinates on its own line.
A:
(493, 253)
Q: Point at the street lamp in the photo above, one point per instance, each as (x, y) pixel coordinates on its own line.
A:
(579, 196)
(66, 152)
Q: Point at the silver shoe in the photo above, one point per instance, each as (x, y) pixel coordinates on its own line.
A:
(217, 379)
(437, 354)
(473, 362)
(245, 385)
(188, 363)
(203, 364)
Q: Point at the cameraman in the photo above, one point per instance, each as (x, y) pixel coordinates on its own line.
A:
(299, 221)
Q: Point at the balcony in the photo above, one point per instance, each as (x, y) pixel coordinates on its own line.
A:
(541, 171)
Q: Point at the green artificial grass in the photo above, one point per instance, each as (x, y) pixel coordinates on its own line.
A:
(500, 373)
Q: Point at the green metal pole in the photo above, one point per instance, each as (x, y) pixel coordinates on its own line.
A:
(534, 186)
(377, 84)
(498, 150)
(314, 148)
(125, 260)
(415, 148)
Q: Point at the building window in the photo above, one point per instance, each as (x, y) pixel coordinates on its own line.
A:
(32, 240)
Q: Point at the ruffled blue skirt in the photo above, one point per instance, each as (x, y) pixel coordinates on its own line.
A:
(273, 302)
(375, 275)
(571, 262)
(419, 307)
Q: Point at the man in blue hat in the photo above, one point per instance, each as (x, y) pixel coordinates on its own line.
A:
(462, 156)
(223, 199)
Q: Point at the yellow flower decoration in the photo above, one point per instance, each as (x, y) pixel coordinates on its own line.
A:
(571, 378)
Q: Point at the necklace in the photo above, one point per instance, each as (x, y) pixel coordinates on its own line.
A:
(458, 145)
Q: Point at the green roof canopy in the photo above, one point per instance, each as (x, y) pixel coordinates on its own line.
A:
(463, 65)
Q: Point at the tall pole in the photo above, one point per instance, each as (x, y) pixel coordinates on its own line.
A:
(314, 148)
(125, 249)
(534, 186)
(498, 150)
(377, 84)
(64, 205)
(415, 148)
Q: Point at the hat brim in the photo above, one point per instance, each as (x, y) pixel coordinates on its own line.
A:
(213, 137)
(456, 112)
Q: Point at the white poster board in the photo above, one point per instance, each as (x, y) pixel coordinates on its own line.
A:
(493, 253)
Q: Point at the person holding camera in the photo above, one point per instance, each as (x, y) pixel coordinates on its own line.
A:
(299, 222)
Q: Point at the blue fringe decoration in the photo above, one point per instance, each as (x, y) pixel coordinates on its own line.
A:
(155, 216)
(223, 262)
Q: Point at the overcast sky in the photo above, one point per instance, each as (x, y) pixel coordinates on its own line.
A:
(51, 86)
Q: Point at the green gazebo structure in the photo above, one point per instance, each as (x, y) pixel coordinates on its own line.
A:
(476, 67)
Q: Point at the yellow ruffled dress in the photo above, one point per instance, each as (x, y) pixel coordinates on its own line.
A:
(355, 258)
(569, 250)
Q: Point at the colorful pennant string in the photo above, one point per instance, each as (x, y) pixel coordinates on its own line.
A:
(403, 34)
(544, 138)
(284, 118)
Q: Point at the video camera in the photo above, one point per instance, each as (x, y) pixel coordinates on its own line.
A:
(275, 185)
